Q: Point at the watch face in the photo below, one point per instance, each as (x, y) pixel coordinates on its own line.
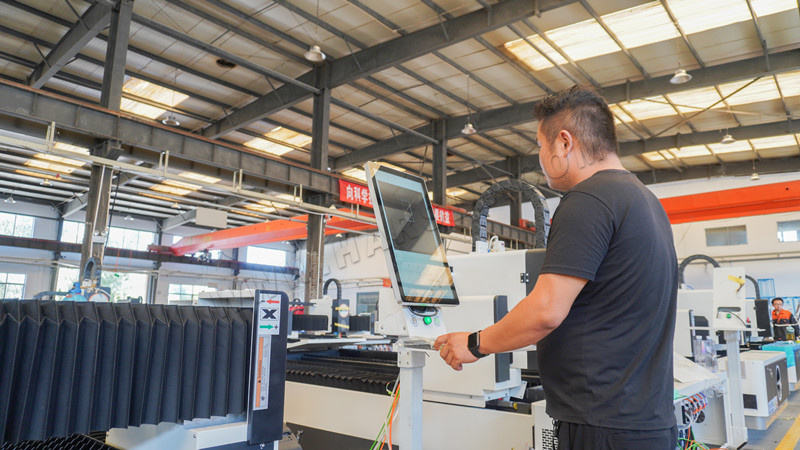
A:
(472, 341)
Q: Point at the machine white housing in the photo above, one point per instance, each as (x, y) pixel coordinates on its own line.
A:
(765, 386)
(397, 320)
(726, 298)
(490, 378)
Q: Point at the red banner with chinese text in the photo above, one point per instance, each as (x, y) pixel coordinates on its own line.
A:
(359, 195)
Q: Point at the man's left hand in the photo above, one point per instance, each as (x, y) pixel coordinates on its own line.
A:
(453, 349)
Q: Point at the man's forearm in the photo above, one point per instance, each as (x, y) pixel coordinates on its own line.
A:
(535, 316)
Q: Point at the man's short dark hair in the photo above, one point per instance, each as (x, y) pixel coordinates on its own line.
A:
(776, 299)
(583, 112)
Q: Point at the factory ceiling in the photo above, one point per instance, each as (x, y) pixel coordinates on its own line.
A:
(233, 74)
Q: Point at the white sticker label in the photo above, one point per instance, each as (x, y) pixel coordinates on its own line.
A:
(269, 314)
(261, 382)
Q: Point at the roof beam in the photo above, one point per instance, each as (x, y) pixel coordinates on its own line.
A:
(382, 56)
(531, 163)
(178, 220)
(94, 20)
(704, 137)
(79, 202)
(88, 121)
(735, 169)
(523, 112)
(75, 205)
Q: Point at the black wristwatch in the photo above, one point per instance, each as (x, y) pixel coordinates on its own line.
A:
(474, 344)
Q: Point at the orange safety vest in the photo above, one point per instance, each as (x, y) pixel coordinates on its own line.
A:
(781, 317)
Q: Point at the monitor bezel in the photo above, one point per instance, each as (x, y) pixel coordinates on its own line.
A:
(372, 168)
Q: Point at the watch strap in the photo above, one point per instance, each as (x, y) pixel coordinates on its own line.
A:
(474, 345)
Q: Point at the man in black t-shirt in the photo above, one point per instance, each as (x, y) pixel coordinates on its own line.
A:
(602, 312)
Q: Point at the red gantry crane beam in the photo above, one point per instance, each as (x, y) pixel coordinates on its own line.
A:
(263, 233)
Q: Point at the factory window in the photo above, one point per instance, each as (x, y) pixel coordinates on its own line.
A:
(72, 232)
(212, 254)
(129, 239)
(16, 225)
(266, 256)
(12, 285)
(117, 237)
(122, 285)
(186, 292)
(789, 231)
(726, 236)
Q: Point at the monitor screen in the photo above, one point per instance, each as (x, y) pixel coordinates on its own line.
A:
(411, 237)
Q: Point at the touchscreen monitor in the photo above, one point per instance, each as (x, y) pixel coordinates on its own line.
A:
(410, 237)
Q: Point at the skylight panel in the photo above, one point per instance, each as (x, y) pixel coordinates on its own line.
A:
(789, 83)
(355, 172)
(695, 16)
(767, 7)
(695, 99)
(154, 92)
(171, 189)
(59, 159)
(141, 109)
(762, 90)
(583, 40)
(650, 108)
(532, 58)
(691, 151)
(71, 148)
(620, 115)
(150, 91)
(199, 177)
(657, 156)
(278, 205)
(47, 165)
(641, 25)
(787, 140)
(455, 192)
(181, 184)
(734, 147)
(292, 139)
(260, 206)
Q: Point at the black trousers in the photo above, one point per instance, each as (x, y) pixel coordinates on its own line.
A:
(586, 437)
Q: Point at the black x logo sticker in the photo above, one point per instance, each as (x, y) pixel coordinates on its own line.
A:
(268, 313)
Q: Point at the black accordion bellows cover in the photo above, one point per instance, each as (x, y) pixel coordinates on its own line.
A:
(75, 367)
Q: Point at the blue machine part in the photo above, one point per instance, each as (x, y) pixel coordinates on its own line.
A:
(786, 347)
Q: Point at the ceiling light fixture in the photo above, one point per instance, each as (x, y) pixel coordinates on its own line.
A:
(128, 218)
(314, 53)
(754, 176)
(171, 120)
(175, 205)
(727, 139)
(45, 182)
(680, 77)
(10, 199)
(469, 128)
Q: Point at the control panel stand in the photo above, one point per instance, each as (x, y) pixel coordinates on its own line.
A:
(410, 362)
(737, 432)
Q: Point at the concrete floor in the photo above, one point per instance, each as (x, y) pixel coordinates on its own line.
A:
(770, 438)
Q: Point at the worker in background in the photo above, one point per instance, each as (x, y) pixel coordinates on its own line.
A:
(780, 319)
(602, 312)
